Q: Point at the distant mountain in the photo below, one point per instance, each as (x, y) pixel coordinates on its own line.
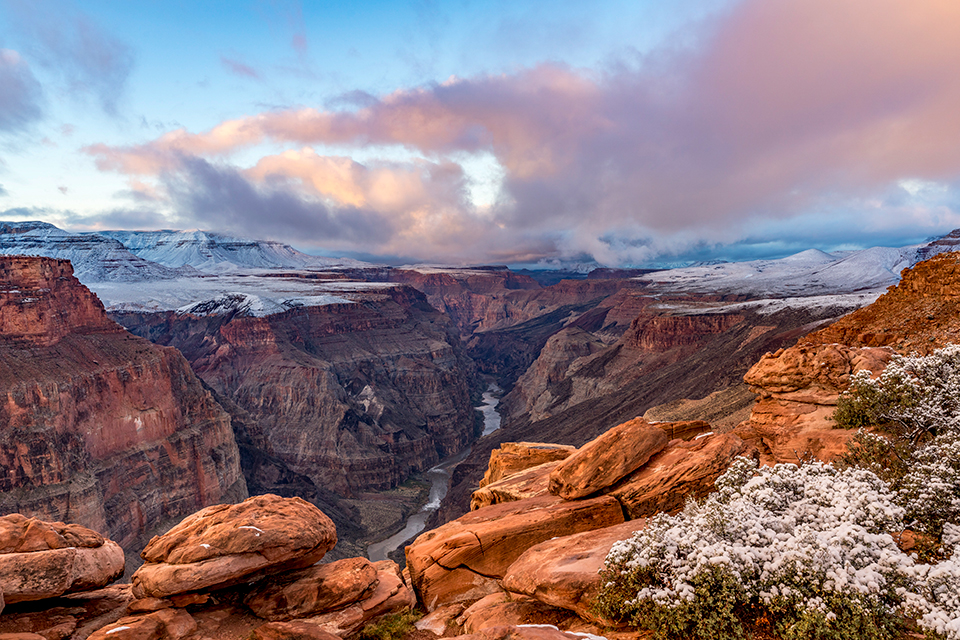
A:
(95, 258)
(808, 273)
(218, 253)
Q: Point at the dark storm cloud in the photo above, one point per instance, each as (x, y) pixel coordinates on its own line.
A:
(220, 197)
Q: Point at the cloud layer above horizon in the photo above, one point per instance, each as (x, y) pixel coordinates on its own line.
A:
(776, 124)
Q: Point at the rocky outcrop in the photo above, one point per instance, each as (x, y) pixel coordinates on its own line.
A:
(606, 460)
(920, 314)
(798, 390)
(464, 559)
(224, 545)
(354, 396)
(322, 587)
(392, 594)
(97, 426)
(799, 386)
(513, 457)
(682, 471)
(528, 483)
(565, 572)
(41, 560)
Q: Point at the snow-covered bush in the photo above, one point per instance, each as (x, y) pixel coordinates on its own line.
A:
(803, 551)
(914, 397)
(915, 404)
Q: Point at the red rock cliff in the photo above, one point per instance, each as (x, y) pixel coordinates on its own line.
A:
(354, 396)
(97, 426)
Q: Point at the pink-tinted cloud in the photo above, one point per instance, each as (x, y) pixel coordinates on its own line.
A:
(238, 68)
(783, 108)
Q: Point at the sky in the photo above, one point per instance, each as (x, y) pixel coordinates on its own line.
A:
(509, 132)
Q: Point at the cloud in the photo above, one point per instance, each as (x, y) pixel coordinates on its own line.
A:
(784, 112)
(3, 192)
(21, 96)
(238, 68)
(63, 40)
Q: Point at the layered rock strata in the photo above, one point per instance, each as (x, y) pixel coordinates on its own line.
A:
(100, 427)
(354, 396)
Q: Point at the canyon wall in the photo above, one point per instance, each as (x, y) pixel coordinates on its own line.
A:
(602, 369)
(354, 396)
(97, 426)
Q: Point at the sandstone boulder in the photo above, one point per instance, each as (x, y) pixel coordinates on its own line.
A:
(523, 632)
(513, 457)
(682, 470)
(798, 387)
(604, 461)
(502, 608)
(318, 589)
(813, 374)
(166, 624)
(40, 560)
(528, 483)
(392, 594)
(224, 545)
(564, 572)
(463, 559)
(294, 630)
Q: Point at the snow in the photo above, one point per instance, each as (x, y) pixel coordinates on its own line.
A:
(218, 253)
(249, 294)
(806, 273)
(94, 258)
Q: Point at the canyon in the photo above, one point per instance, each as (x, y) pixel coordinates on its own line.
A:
(337, 384)
(99, 427)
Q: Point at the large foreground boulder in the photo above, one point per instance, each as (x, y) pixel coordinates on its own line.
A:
(681, 471)
(528, 483)
(603, 461)
(513, 457)
(463, 559)
(224, 545)
(565, 572)
(40, 560)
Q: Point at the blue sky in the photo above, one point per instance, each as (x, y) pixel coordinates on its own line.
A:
(521, 132)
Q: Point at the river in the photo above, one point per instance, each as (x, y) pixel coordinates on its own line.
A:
(439, 477)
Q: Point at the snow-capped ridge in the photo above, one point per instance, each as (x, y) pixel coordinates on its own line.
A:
(94, 258)
(211, 252)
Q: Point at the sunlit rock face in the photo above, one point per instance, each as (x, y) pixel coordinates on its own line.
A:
(97, 426)
(798, 387)
(354, 396)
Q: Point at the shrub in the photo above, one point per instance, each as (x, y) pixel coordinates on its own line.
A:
(915, 405)
(393, 626)
(915, 396)
(803, 551)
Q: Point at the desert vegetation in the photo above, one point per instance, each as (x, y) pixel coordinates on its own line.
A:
(817, 550)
